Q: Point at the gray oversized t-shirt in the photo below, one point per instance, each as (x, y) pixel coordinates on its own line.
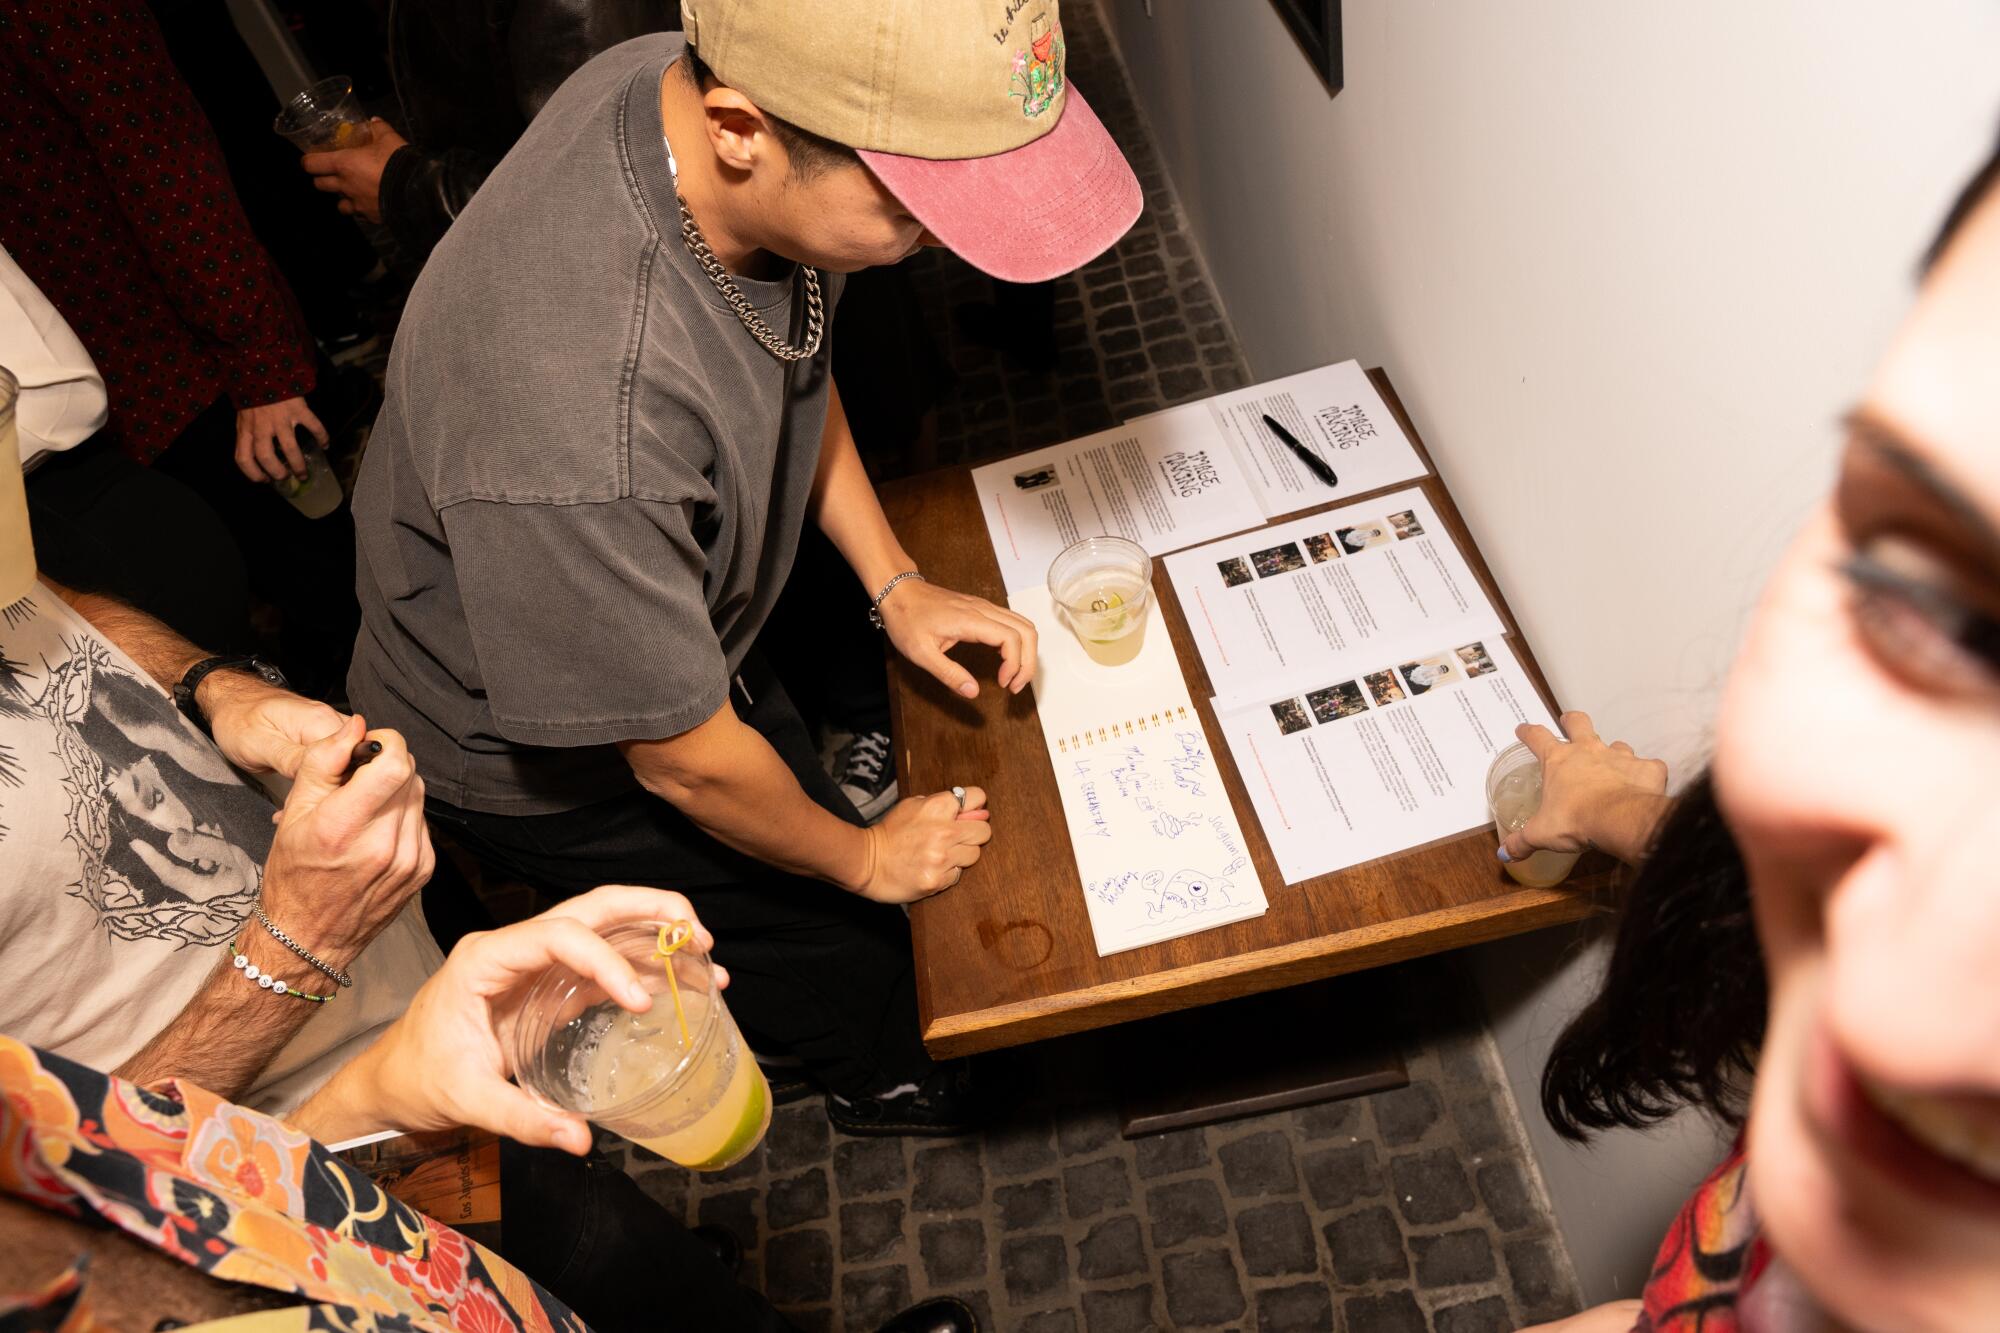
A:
(587, 482)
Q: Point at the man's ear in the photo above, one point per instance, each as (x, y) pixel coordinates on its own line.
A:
(737, 130)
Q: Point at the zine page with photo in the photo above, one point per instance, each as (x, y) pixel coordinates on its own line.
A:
(1361, 764)
(1156, 840)
(1267, 605)
(1165, 484)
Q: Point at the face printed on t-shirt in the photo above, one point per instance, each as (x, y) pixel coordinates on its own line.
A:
(156, 834)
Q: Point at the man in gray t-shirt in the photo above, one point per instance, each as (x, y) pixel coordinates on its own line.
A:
(608, 418)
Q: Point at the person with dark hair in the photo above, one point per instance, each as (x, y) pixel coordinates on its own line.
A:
(1806, 951)
(115, 200)
(609, 419)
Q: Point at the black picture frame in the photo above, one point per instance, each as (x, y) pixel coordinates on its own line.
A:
(1315, 25)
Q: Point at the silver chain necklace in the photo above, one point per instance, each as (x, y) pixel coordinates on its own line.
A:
(697, 245)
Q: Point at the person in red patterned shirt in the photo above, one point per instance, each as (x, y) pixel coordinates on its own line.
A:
(115, 200)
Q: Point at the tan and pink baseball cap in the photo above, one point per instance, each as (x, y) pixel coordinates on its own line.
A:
(963, 108)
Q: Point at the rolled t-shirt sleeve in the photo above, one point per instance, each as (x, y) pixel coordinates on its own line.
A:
(588, 621)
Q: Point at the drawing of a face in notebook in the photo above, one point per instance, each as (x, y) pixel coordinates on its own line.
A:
(1034, 478)
(1432, 673)
(1363, 535)
(1291, 715)
(1406, 525)
(1278, 560)
(1385, 688)
(1235, 571)
(1337, 701)
(1474, 658)
(1321, 547)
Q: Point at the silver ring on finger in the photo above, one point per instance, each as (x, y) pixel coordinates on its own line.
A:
(959, 794)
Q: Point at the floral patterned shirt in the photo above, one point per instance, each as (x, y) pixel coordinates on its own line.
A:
(246, 1198)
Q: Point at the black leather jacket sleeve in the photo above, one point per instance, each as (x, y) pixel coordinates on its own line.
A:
(422, 193)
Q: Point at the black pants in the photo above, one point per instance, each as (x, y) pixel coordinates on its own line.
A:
(816, 972)
(103, 523)
(585, 1231)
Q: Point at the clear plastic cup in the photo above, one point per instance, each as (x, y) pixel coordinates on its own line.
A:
(324, 117)
(316, 494)
(17, 547)
(1513, 794)
(701, 1102)
(1103, 588)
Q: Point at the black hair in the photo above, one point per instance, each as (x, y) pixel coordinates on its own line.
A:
(812, 155)
(1679, 1017)
(1680, 1014)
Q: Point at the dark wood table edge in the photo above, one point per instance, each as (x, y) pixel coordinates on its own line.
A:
(1262, 970)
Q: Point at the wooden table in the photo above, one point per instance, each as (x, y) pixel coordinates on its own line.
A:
(1007, 956)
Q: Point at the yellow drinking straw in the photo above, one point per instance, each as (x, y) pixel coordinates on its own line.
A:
(664, 950)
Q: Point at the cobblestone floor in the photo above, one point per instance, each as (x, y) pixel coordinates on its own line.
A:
(1408, 1210)
(1403, 1211)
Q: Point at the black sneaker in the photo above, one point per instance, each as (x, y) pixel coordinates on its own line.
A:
(946, 1314)
(865, 774)
(939, 1107)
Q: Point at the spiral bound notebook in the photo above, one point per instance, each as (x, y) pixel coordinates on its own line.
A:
(1156, 842)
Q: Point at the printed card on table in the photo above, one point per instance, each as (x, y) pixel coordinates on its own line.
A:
(1359, 765)
(1164, 485)
(1293, 598)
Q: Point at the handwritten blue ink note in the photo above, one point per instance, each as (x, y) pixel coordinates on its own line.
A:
(1156, 842)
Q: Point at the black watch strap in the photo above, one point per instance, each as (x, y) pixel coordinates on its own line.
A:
(184, 691)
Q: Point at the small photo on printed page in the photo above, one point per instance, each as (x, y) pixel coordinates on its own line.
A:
(1292, 604)
(1357, 769)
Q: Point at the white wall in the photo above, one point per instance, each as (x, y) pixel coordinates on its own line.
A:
(1625, 264)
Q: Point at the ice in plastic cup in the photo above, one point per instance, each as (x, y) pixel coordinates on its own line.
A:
(316, 494)
(17, 548)
(324, 118)
(1103, 587)
(699, 1101)
(1513, 794)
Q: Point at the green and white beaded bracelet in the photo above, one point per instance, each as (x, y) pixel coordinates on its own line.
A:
(251, 972)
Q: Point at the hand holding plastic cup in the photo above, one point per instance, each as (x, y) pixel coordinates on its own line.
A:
(1103, 587)
(324, 118)
(1513, 794)
(677, 1079)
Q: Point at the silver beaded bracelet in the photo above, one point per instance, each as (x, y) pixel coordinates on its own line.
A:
(292, 944)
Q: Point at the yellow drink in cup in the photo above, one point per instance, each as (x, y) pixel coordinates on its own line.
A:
(324, 118)
(1513, 794)
(1103, 588)
(676, 1079)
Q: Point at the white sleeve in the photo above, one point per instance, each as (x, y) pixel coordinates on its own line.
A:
(62, 395)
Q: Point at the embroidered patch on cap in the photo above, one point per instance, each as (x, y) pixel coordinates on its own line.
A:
(1038, 70)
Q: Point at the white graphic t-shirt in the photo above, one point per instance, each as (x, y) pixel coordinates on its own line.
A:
(130, 857)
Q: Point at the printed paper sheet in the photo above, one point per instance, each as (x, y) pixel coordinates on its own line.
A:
(1363, 761)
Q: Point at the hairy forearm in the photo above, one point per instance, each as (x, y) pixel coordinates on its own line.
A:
(727, 779)
(846, 508)
(161, 653)
(232, 1029)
